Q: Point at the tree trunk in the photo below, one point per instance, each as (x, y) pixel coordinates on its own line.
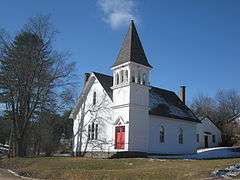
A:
(10, 143)
(21, 148)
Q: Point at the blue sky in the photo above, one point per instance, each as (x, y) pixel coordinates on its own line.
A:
(190, 42)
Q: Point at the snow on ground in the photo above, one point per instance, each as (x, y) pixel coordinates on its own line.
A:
(231, 171)
(208, 153)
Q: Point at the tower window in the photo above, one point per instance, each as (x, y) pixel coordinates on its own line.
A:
(122, 77)
(144, 79)
(126, 76)
(133, 78)
(161, 135)
(139, 78)
(180, 136)
(94, 98)
(117, 79)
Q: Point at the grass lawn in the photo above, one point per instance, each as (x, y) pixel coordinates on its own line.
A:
(136, 168)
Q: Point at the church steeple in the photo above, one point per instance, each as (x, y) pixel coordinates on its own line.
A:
(132, 49)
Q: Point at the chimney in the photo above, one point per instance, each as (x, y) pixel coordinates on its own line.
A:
(86, 76)
(182, 94)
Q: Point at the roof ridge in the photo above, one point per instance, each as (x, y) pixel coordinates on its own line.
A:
(101, 74)
(162, 89)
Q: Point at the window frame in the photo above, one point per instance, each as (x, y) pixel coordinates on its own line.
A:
(180, 136)
(89, 131)
(198, 138)
(213, 138)
(144, 79)
(96, 131)
(117, 79)
(162, 135)
(126, 75)
(94, 97)
(93, 131)
(139, 78)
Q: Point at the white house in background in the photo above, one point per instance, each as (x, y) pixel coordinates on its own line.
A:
(124, 113)
(208, 134)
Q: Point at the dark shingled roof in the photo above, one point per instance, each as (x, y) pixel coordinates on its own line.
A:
(106, 81)
(166, 103)
(161, 102)
(132, 49)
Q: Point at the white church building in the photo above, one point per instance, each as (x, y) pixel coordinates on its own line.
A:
(124, 113)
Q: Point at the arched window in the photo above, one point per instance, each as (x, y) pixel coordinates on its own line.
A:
(132, 76)
(122, 76)
(180, 136)
(94, 97)
(144, 79)
(161, 134)
(139, 78)
(133, 79)
(117, 79)
(126, 76)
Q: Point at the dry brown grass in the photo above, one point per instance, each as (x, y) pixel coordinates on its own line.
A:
(135, 168)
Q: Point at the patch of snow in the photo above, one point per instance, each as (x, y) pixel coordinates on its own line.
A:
(156, 99)
(231, 171)
(209, 153)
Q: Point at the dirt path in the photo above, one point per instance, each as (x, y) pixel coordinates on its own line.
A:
(5, 175)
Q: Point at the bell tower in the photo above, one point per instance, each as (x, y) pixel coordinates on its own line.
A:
(131, 93)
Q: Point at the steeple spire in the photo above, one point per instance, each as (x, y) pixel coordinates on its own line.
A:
(132, 50)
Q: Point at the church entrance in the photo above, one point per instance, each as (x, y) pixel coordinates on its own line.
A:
(119, 137)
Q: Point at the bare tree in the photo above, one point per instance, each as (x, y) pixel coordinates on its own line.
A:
(32, 73)
(204, 106)
(228, 104)
(220, 109)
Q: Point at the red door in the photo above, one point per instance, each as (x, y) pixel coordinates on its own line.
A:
(119, 137)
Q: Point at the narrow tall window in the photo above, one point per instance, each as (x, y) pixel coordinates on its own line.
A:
(94, 98)
(180, 136)
(122, 76)
(126, 76)
(144, 79)
(93, 131)
(89, 131)
(92, 135)
(213, 139)
(197, 137)
(96, 131)
(133, 79)
(139, 78)
(161, 135)
(117, 79)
